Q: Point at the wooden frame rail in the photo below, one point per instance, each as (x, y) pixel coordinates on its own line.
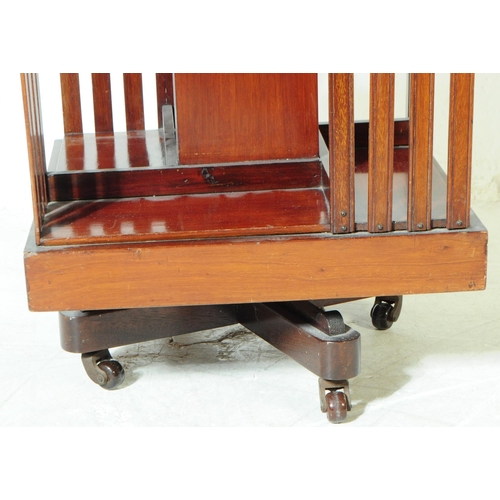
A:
(421, 146)
(460, 151)
(380, 152)
(36, 149)
(341, 140)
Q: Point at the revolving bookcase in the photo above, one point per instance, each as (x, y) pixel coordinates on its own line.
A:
(240, 207)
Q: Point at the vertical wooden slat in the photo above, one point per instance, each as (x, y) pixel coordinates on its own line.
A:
(341, 140)
(72, 117)
(164, 93)
(460, 150)
(36, 150)
(103, 110)
(420, 159)
(72, 110)
(381, 152)
(103, 119)
(134, 104)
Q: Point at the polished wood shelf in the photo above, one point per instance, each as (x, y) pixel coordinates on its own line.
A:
(137, 197)
(187, 216)
(128, 164)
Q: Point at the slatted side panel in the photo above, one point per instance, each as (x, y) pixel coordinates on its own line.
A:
(381, 152)
(36, 149)
(420, 158)
(341, 140)
(103, 108)
(460, 150)
(164, 93)
(134, 102)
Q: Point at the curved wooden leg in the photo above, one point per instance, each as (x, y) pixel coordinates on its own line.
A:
(319, 341)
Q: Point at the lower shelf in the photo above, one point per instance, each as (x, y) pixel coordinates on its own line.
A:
(187, 216)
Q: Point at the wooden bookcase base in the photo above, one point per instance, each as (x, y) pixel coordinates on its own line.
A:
(316, 339)
(254, 269)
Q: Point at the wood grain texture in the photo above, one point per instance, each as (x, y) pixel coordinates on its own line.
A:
(341, 140)
(381, 152)
(103, 108)
(134, 101)
(93, 277)
(421, 146)
(125, 181)
(71, 104)
(401, 133)
(460, 150)
(246, 117)
(95, 330)
(189, 216)
(329, 357)
(36, 149)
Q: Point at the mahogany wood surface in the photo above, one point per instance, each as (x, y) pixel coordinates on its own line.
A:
(401, 133)
(261, 243)
(226, 271)
(134, 102)
(400, 192)
(65, 160)
(421, 159)
(236, 179)
(36, 149)
(188, 216)
(139, 181)
(341, 140)
(381, 151)
(72, 109)
(246, 117)
(329, 357)
(460, 149)
(103, 108)
(95, 330)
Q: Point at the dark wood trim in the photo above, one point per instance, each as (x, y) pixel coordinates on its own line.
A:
(330, 357)
(87, 331)
(124, 183)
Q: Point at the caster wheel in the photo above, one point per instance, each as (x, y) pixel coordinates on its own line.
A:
(336, 407)
(112, 374)
(380, 314)
(102, 369)
(386, 311)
